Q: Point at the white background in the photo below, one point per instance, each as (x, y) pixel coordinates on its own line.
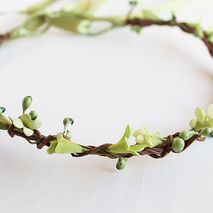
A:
(155, 79)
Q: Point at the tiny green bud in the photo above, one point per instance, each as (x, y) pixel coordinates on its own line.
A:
(4, 122)
(133, 2)
(207, 132)
(178, 145)
(68, 121)
(121, 163)
(186, 135)
(2, 110)
(26, 103)
(33, 115)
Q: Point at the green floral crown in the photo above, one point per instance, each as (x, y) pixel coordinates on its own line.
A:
(80, 19)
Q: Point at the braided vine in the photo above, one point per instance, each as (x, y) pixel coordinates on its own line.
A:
(80, 19)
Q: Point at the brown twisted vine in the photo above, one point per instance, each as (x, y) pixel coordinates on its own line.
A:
(156, 152)
(37, 18)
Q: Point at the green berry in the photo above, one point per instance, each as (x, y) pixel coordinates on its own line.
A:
(33, 115)
(178, 145)
(207, 132)
(26, 103)
(121, 163)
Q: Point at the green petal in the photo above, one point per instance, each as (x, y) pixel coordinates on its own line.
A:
(66, 146)
(200, 114)
(208, 122)
(193, 123)
(186, 135)
(28, 122)
(18, 123)
(122, 145)
(28, 132)
(52, 147)
(139, 147)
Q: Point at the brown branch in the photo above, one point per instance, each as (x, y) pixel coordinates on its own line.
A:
(156, 152)
(185, 27)
(4, 37)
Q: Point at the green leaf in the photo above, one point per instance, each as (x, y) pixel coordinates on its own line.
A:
(18, 123)
(69, 22)
(33, 26)
(200, 114)
(28, 132)
(35, 23)
(139, 147)
(28, 122)
(66, 146)
(52, 147)
(122, 145)
(186, 135)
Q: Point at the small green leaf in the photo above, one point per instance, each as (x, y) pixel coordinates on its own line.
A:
(52, 147)
(122, 145)
(18, 123)
(69, 22)
(139, 147)
(186, 135)
(28, 122)
(28, 132)
(200, 114)
(66, 146)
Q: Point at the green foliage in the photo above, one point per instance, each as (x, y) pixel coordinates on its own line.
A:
(122, 147)
(52, 147)
(186, 135)
(144, 138)
(28, 122)
(72, 20)
(64, 146)
(202, 119)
